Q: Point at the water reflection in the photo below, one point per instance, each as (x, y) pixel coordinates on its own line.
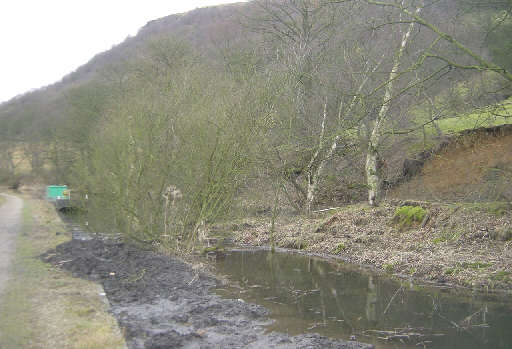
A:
(307, 294)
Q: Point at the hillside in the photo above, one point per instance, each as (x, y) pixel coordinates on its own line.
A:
(205, 115)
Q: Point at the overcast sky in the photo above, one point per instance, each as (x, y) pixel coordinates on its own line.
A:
(43, 40)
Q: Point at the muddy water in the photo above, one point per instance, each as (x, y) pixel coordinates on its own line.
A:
(309, 294)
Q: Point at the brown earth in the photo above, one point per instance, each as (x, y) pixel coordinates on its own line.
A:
(474, 166)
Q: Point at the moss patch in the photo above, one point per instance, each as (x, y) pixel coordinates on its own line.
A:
(207, 250)
(389, 268)
(409, 216)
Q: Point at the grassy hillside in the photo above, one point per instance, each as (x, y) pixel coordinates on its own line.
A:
(489, 116)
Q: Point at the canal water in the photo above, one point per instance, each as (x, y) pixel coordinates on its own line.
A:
(338, 300)
(76, 223)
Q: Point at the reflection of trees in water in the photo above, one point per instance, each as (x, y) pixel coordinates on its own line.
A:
(316, 289)
(336, 300)
(371, 301)
(331, 302)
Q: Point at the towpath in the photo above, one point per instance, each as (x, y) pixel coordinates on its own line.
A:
(10, 224)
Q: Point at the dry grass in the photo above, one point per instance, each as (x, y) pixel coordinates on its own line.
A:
(47, 308)
(456, 244)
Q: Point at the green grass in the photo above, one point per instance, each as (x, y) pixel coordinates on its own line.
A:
(447, 236)
(501, 275)
(485, 117)
(2, 200)
(44, 307)
(466, 265)
(340, 248)
(497, 208)
(475, 265)
(494, 115)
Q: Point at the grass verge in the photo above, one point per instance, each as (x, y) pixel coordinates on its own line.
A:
(43, 307)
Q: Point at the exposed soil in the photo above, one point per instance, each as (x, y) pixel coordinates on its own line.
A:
(161, 302)
(474, 166)
(461, 244)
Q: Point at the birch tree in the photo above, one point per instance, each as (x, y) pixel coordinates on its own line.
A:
(373, 161)
(477, 62)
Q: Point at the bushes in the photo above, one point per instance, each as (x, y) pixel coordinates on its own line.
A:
(183, 126)
(11, 180)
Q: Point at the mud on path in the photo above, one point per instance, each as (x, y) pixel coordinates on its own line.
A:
(161, 302)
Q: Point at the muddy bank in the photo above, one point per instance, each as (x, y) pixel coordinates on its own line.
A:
(164, 303)
(462, 244)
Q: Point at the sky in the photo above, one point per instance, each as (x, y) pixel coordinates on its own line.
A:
(43, 40)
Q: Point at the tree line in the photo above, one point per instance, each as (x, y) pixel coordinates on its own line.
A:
(313, 100)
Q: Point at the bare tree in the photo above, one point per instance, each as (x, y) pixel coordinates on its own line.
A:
(373, 161)
(480, 63)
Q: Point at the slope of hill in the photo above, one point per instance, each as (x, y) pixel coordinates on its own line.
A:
(475, 166)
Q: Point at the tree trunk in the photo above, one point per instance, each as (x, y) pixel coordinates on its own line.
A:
(314, 173)
(373, 175)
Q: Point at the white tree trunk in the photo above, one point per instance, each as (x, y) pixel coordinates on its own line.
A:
(373, 175)
(314, 174)
(313, 177)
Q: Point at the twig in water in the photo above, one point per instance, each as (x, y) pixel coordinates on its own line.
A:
(391, 300)
(326, 209)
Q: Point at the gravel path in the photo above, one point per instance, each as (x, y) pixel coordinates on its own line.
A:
(10, 222)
